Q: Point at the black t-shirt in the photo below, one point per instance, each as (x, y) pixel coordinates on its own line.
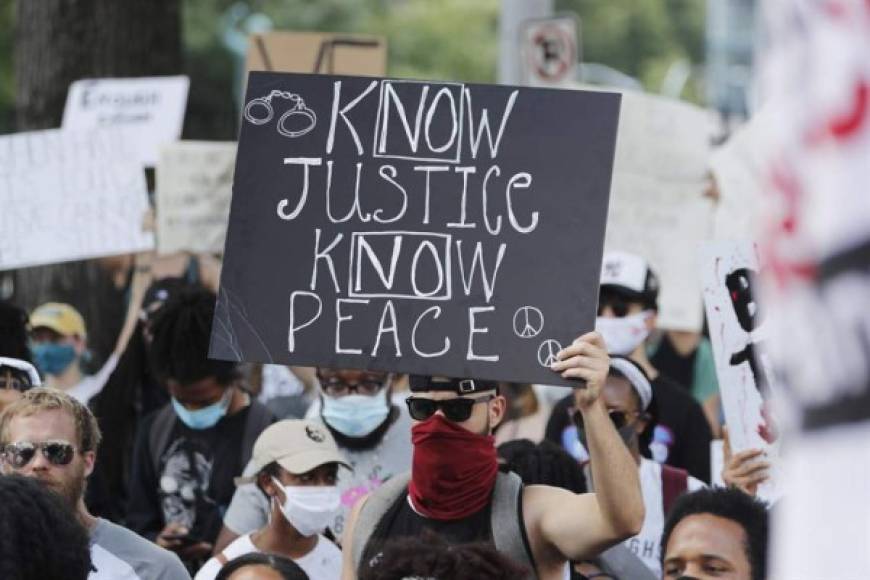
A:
(401, 521)
(680, 438)
(194, 483)
(670, 363)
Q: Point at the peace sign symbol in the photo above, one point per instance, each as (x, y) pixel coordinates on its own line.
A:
(547, 352)
(528, 322)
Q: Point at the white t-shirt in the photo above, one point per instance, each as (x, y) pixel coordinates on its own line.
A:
(119, 554)
(322, 563)
(647, 544)
(91, 385)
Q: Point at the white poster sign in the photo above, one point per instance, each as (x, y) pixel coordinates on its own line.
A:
(657, 204)
(738, 168)
(69, 195)
(194, 188)
(738, 333)
(152, 108)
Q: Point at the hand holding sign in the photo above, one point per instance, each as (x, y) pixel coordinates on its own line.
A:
(586, 359)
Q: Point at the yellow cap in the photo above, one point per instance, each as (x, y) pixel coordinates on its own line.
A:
(61, 318)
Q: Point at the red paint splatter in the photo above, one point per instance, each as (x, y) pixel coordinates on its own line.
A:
(836, 10)
(845, 126)
(783, 270)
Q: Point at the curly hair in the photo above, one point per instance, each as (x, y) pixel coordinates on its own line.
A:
(287, 568)
(731, 504)
(47, 399)
(182, 332)
(544, 463)
(40, 536)
(430, 556)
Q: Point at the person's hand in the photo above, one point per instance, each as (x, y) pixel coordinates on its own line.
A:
(586, 359)
(745, 470)
(170, 539)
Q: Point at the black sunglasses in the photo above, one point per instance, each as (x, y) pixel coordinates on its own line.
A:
(618, 418)
(21, 453)
(456, 410)
(618, 304)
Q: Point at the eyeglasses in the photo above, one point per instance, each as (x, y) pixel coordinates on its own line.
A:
(456, 410)
(618, 304)
(618, 418)
(338, 387)
(21, 453)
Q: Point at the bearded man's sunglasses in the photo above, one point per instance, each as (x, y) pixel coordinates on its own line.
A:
(21, 453)
(456, 410)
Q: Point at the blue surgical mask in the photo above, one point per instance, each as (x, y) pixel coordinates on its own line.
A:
(53, 358)
(355, 415)
(204, 418)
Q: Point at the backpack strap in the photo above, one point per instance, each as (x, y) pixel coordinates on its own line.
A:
(372, 511)
(158, 437)
(508, 526)
(259, 417)
(675, 482)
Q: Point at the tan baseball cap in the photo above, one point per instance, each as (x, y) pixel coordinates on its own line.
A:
(61, 318)
(297, 445)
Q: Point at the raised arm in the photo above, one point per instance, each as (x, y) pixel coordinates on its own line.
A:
(582, 525)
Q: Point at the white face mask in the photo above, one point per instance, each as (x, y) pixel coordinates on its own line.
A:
(623, 335)
(309, 509)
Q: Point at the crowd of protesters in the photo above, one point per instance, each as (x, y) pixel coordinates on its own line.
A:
(166, 464)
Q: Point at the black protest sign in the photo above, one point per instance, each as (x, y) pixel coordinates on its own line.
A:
(425, 227)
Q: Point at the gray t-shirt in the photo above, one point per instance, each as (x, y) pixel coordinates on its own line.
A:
(249, 509)
(119, 554)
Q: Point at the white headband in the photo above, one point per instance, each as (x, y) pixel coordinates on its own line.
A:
(636, 378)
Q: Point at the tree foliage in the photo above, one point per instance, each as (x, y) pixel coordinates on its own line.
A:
(432, 39)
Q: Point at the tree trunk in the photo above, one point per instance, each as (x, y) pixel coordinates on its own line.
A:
(58, 42)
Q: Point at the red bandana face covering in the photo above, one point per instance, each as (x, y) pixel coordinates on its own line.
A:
(453, 470)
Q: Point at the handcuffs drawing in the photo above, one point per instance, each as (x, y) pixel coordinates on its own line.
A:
(298, 108)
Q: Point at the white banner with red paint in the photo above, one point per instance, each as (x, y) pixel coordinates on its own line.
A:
(815, 243)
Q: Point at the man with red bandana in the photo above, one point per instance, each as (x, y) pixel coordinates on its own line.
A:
(455, 488)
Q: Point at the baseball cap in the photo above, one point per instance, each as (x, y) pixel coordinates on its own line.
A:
(297, 445)
(630, 275)
(61, 318)
(422, 383)
(19, 373)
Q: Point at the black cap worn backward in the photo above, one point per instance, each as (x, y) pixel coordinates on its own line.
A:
(421, 383)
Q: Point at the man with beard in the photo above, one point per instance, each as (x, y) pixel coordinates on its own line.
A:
(372, 436)
(50, 436)
(455, 488)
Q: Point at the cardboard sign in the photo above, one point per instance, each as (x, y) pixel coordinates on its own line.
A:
(314, 52)
(658, 209)
(151, 108)
(550, 51)
(738, 333)
(194, 187)
(427, 227)
(738, 167)
(69, 195)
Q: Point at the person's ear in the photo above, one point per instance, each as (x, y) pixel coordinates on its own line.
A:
(652, 320)
(79, 344)
(497, 409)
(267, 485)
(90, 458)
(642, 422)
